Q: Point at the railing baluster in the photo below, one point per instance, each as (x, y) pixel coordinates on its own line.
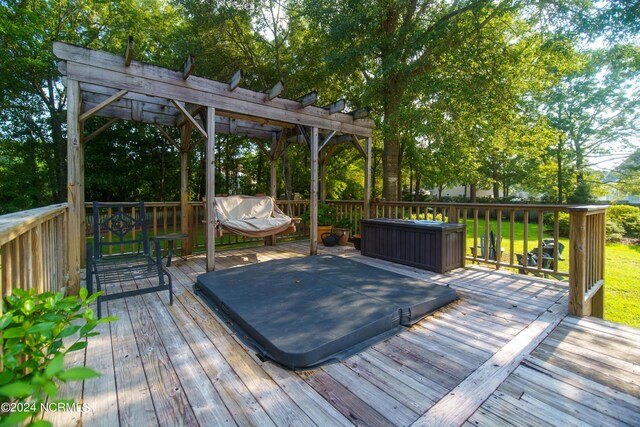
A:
(540, 230)
(487, 241)
(498, 237)
(525, 240)
(476, 253)
(512, 216)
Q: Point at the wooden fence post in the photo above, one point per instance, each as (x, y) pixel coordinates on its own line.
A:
(587, 260)
(577, 261)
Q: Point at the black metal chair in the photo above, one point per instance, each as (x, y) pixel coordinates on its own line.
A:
(134, 264)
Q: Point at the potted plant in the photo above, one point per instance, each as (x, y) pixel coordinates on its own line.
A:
(326, 219)
(343, 229)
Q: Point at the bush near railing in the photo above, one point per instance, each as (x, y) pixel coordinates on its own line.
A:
(34, 329)
(627, 217)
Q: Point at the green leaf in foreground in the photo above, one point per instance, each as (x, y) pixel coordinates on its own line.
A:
(16, 389)
(78, 373)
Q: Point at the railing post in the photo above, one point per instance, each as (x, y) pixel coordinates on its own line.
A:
(577, 261)
(454, 214)
(587, 261)
(75, 187)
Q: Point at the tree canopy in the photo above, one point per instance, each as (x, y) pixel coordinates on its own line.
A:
(504, 95)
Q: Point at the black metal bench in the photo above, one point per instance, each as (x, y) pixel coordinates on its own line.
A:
(127, 230)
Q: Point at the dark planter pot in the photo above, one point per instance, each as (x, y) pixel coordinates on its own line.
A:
(344, 235)
(356, 241)
(330, 239)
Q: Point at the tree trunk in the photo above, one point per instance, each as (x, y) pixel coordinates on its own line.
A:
(391, 154)
(60, 156)
(472, 193)
(260, 179)
(579, 152)
(560, 170)
(496, 181)
(286, 172)
(413, 196)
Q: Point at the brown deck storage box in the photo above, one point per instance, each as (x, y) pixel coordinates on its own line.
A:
(430, 245)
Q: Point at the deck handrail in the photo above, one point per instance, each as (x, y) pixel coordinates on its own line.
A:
(33, 248)
(532, 253)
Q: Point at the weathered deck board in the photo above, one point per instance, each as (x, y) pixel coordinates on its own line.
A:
(208, 407)
(431, 368)
(101, 392)
(135, 407)
(586, 372)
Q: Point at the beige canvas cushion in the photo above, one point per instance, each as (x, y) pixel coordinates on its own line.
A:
(255, 216)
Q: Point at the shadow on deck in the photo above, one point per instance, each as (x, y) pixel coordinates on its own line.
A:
(506, 353)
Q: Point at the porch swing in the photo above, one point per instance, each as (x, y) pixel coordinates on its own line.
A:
(251, 216)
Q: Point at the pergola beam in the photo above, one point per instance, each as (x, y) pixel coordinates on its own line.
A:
(361, 113)
(188, 66)
(189, 117)
(100, 130)
(277, 151)
(194, 111)
(263, 149)
(236, 80)
(356, 143)
(326, 140)
(168, 137)
(105, 69)
(276, 90)
(113, 98)
(335, 107)
(128, 54)
(308, 99)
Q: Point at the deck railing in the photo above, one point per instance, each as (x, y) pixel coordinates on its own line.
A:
(501, 235)
(33, 243)
(33, 248)
(165, 217)
(587, 261)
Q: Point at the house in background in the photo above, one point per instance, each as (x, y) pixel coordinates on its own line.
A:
(614, 194)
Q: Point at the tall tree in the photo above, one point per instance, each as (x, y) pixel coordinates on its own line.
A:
(29, 77)
(594, 108)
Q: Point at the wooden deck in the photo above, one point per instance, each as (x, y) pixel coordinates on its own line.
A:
(506, 353)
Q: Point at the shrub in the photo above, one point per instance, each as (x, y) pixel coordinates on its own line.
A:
(33, 328)
(626, 216)
(326, 215)
(614, 232)
(563, 223)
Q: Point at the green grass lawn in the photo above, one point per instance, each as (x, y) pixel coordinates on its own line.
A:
(622, 270)
(622, 284)
(518, 235)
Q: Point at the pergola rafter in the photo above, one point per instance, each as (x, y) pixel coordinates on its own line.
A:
(102, 84)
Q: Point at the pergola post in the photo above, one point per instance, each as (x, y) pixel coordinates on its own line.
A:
(75, 186)
(322, 182)
(211, 182)
(185, 208)
(274, 164)
(367, 179)
(313, 232)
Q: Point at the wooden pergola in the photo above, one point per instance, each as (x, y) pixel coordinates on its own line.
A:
(107, 85)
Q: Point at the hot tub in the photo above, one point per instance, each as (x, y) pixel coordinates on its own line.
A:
(430, 245)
